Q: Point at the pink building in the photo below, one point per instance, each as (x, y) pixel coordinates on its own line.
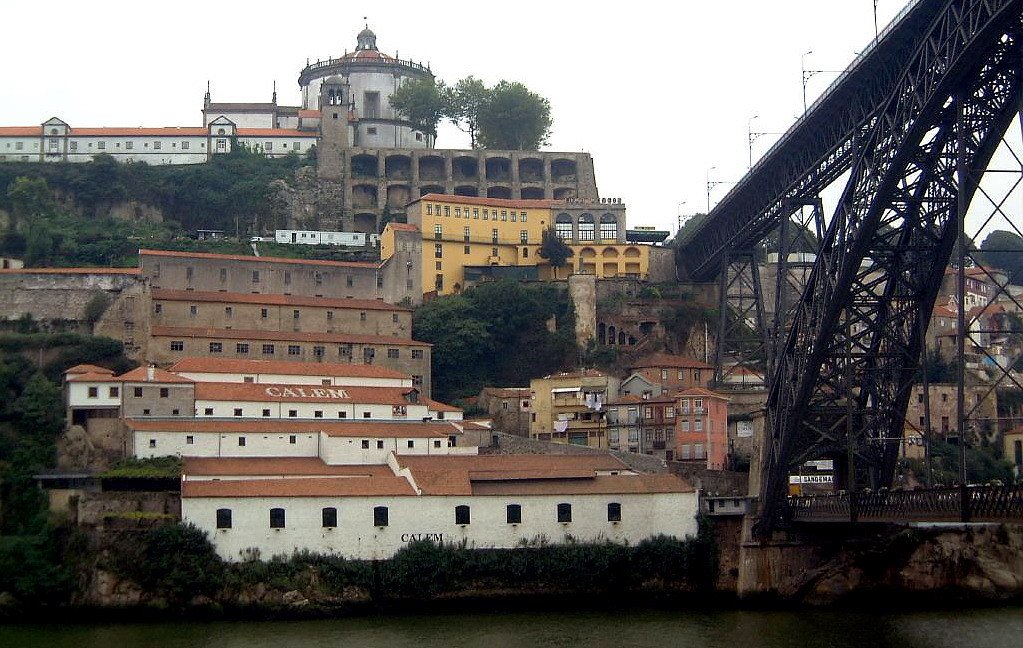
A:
(701, 427)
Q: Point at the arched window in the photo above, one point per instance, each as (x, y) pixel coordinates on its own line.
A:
(564, 512)
(586, 228)
(276, 518)
(563, 226)
(380, 516)
(329, 517)
(608, 228)
(223, 518)
(462, 514)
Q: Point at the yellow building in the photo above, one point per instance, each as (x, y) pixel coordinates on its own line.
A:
(570, 407)
(469, 239)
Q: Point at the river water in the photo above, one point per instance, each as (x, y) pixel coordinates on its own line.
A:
(984, 628)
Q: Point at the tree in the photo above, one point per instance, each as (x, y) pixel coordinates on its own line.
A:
(30, 199)
(463, 102)
(514, 118)
(1004, 250)
(554, 250)
(422, 102)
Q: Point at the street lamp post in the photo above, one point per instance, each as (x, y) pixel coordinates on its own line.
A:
(749, 133)
(809, 74)
(710, 186)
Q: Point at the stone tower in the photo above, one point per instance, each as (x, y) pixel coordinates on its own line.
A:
(334, 109)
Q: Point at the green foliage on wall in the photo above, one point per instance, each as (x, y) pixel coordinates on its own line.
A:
(57, 209)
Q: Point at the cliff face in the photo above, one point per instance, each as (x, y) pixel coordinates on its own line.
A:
(983, 563)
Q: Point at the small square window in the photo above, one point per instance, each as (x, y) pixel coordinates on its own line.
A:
(266, 413)
(380, 444)
(208, 411)
(152, 443)
(189, 440)
(411, 443)
(237, 411)
(115, 392)
(292, 413)
(241, 442)
(164, 392)
(365, 444)
(93, 392)
(380, 516)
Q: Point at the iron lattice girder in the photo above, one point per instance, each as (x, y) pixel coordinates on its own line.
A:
(855, 337)
(819, 147)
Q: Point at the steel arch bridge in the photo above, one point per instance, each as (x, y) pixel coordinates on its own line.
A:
(914, 122)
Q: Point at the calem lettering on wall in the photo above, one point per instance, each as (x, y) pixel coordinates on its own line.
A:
(312, 392)
(414, 537)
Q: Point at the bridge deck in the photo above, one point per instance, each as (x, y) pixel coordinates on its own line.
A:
(951, 504)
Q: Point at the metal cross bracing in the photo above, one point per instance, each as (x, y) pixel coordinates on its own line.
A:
(843, 378)
(740, 360)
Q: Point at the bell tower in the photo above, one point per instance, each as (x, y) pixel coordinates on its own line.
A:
(335, 105)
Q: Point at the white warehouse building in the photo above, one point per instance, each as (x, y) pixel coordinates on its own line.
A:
(265, 507)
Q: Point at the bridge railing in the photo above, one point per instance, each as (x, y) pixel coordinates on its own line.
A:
(948, 504)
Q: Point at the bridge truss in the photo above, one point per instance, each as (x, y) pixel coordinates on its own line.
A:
(914, 123)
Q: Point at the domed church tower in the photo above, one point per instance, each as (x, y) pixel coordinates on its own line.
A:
(371, 77)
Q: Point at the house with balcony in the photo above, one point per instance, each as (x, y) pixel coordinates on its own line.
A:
(571, 407)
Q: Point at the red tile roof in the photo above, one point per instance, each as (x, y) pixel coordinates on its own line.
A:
(267, 393)
(306, 114)
(168, 294)
(92, 377)
(167, 131)
(438, 406)
(88, 368)
(21, 131)
(379, 486)
(141, 374)
(601, 485)
(261, 259)
(404, 227)
(531, 474)
(489, 202)
(700, 391)
(365, 429)
(283, 367)
(276, 466)
(284, 336)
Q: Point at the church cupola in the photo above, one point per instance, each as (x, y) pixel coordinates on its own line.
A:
(367, 40)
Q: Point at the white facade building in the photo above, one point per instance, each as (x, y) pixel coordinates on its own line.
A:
(55, 141)
(372, 77)
(334, 442)
(281, 372)
(313, 237)
(493, 501)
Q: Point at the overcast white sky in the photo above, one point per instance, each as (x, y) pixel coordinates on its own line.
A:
(657, 92)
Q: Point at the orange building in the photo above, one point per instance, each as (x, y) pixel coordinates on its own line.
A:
(701, 427)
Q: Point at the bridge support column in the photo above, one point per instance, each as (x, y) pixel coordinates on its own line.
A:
(773, 567)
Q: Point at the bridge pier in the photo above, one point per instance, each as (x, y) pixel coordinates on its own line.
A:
(773, 567)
